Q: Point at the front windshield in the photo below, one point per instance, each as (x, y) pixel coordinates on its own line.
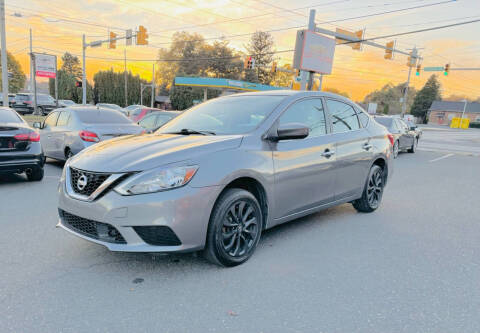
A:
(225, 116)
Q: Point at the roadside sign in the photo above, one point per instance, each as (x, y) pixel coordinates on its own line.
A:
(433, 69)
(313, 52)
(372, 108)
(45, 65)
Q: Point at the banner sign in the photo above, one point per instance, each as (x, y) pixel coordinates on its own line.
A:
(313, 52)
(45, 65)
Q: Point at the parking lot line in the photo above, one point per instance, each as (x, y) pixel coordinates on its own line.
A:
(441, 158)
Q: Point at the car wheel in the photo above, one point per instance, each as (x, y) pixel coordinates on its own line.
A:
(235, 228)
(68, 153)
(413, 149)
(395, 149)
(373, 191)
(42, 111)
(35, 174)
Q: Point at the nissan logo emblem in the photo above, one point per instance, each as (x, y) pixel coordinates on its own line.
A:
(82, 182)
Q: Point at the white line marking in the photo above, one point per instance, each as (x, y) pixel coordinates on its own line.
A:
(441, 158)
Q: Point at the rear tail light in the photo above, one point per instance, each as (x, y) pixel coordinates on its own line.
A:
(27, 102)
(390, 138)
(88, 136)
(32, 137)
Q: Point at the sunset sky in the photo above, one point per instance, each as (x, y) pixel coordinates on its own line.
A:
(58, 26)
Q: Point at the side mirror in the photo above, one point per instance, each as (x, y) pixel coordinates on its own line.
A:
(37, 125)
(291, 131)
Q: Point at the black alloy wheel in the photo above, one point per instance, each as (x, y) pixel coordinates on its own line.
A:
(373, 191)
(395, 149)
(235, 228)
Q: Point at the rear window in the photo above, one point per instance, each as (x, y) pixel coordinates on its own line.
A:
(103, 116)
(387, 122)
(45, 99)
(22, 98)
(9, 116)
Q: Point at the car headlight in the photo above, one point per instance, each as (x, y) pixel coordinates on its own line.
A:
(160, 179)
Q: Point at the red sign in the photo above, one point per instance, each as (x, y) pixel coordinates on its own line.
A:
(45, 74)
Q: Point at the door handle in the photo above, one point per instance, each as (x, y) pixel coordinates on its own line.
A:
(367, 146)
(328, 153)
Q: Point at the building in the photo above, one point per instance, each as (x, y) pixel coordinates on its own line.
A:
(442, 112)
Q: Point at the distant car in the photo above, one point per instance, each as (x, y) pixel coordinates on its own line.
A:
(20, 149)
(67, 131)
(112, 106)
(157, 119)
(132, 107)
(63, 103)
(138, 113)
(404, 137)
(414, 127)
(11, 99)
(24, 103)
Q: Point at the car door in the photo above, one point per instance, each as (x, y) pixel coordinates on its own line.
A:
(353, 148)
(408, 134)
(403, 138)
(46, 138)
(58, 134)
(304, 168)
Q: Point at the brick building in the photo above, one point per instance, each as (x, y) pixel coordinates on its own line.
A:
(442, 112)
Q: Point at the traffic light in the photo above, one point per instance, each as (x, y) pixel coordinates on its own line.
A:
(78, 84)
(447, 68)
(274, 67)
(419, 68)
(142, 36)
(249, 63)
(357, 34)
(113, 41)
(389, 50)
(412, 60)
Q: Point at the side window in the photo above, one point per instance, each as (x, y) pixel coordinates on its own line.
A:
(363, 118)
(63, 118)
(344, 117)
(309, 112)
(51, 120)
(162, 119)
(148, 122)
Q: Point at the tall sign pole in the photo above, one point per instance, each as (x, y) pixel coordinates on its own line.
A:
(84, 75)
(56, 83)
(126, 76)
(31, 61)
(153, 85)
(304, 74)
(4, 54)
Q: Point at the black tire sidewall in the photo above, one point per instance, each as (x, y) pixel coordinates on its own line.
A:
(224, 203)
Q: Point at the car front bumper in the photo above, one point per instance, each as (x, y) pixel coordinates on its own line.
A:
(186, 211)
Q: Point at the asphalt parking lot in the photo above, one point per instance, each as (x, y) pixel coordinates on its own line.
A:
(411, 266)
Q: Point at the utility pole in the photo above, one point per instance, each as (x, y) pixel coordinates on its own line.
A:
(126, 77)
(463, 113)
(84, 74)
(405, 93)
(304, 74)
(153, 85)
(31, 62)
(4, 54)
(33, 84)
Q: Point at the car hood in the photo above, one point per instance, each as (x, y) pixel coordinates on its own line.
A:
(143, 152)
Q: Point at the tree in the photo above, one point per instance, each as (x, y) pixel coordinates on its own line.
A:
(17, 81)
(71, 65)
(183, 97)
(261, 47)
(391, 95)
(282, 79)
(425, 97)
(67, 88)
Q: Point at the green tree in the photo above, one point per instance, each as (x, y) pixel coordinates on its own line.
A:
(261, 47)
(17, 81)
(71, 65)
(391, 95)
(425, 97)
(183, 97)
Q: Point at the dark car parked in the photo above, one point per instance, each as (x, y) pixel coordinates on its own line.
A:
(20, 149)
(405, 139)
(24, 103)
(11, 99)
(157, 119)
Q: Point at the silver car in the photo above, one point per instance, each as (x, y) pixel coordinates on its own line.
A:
(219, 174)
(67, 131)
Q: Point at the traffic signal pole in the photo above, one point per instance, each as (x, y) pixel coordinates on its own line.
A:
(4, 54)
(405, 93)
(307, 77)
(84, 74)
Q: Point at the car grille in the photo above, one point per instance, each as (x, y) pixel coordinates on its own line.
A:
(158, 235)
(97, 230)
(94, 180)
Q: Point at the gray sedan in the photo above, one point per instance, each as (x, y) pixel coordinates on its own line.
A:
(216, 176)
(65, 132)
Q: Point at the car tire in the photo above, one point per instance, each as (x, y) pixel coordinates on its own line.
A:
(68, 153)
(396, 148)
(42, 110)
(236, 218)
(35, 174)
(413, 149)
(372, 192)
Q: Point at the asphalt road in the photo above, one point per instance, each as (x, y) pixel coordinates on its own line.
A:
(411, 266)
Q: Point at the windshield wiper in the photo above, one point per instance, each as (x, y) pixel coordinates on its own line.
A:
(187, 131)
